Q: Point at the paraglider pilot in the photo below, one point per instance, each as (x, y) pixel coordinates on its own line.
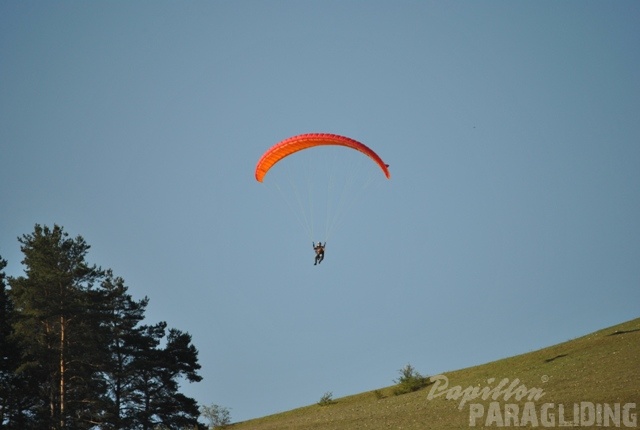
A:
(319, 248)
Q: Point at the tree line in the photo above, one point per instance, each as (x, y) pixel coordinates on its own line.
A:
(75, 352)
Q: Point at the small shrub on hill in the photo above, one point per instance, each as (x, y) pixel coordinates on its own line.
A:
(410, 380)
(326, 399)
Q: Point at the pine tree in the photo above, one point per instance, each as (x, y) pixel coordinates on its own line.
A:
(56, 327)
(141, 375)
(75, 354)
(16, 398)
(9, 357)
(122, 318)
(157, 372)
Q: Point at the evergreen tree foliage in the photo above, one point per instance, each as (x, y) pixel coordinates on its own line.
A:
(54, 325)
(15, 387)
(75, 353)
(10, 384)
(122, 316)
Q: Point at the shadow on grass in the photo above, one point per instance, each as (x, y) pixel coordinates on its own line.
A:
(617, 332)
(549, 360)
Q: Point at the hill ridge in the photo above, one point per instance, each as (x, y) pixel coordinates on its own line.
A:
(599, 372)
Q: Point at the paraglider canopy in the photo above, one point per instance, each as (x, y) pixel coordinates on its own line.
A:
(319, 185)
(303, 141)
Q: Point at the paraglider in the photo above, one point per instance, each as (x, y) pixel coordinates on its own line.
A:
(304, 202)
(319, 248)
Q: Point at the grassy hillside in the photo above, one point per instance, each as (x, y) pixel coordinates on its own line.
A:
(600, 368)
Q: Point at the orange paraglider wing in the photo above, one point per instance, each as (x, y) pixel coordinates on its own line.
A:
(303, 141)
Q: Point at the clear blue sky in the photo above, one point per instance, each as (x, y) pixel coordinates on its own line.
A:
(511, 222)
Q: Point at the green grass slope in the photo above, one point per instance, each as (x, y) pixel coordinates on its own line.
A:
(602, 368)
